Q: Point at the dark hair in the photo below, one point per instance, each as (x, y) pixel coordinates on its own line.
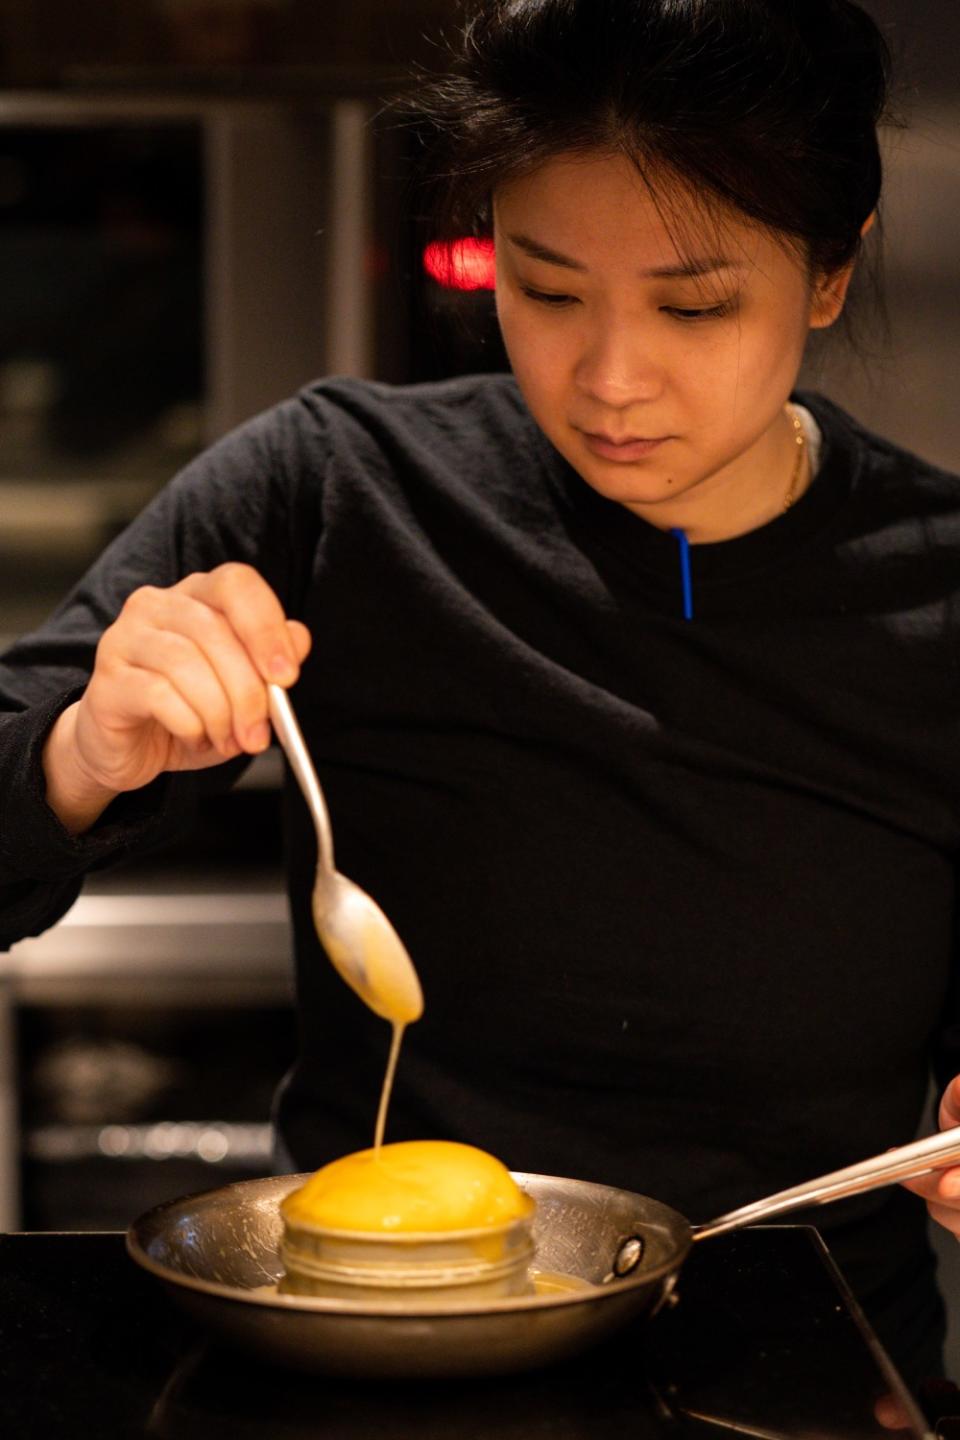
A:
(768, 106)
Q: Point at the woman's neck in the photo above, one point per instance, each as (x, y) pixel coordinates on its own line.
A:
(745, 495)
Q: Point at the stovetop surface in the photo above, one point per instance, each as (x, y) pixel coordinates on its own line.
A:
(765, 1342)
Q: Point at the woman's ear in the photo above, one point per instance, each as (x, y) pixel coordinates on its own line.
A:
(829, 297)
(830, 291)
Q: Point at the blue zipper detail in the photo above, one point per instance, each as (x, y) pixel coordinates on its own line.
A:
(686, 573)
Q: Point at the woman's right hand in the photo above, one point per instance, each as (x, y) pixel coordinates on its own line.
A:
(179, 683)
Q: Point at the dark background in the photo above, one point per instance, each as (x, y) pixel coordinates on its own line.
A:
(53, 42)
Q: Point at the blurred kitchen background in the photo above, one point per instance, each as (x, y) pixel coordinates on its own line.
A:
(203, 204)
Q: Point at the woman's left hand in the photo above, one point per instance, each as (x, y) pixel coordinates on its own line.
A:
(941, 1189)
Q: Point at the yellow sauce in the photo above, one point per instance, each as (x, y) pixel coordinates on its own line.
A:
(386, 1088)
(555, 1283)
(415, 1186)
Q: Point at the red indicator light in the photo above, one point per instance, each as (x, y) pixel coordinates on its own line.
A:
(461, 264)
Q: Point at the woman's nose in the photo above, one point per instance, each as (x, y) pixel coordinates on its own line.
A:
(616, 366)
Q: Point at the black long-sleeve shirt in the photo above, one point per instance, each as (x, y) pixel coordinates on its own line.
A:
(681, 893)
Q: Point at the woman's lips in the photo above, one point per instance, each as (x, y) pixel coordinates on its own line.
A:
(622, 450)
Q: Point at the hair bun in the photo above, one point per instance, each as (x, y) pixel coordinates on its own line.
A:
(850, 47)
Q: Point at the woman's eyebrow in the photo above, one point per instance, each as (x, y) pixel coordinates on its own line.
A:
(687, 269)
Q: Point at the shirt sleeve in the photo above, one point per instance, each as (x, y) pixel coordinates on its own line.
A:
(249, 499)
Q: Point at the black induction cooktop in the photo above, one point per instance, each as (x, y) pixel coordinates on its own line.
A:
(765, 1342)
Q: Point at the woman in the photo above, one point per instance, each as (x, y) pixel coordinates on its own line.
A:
(631, 677)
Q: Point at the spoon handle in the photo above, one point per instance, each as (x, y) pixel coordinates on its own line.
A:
(290, 737)
(906, 1162)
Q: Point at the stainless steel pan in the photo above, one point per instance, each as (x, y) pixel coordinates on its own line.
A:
(217, 1255)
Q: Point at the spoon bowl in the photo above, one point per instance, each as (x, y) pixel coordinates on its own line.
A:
(366, 950)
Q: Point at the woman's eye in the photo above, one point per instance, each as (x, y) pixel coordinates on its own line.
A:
(555, 302)
(707, 312)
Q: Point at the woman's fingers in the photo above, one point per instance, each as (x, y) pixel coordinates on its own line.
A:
(950, 1105)
(182, 667)
(254, 614)
(218, 639)
(942, 1186)
(168, 683)
(301, 637)
(946, 1215)
(196, 648)
(891, 1413)
(164, 703)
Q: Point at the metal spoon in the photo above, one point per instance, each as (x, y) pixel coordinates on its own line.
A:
(359, 939)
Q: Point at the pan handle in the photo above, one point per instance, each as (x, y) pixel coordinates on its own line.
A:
(906, 1162)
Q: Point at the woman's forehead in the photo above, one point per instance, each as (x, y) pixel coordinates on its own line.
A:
(584, 207)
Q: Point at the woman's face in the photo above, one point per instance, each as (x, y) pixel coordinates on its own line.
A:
(656, 350)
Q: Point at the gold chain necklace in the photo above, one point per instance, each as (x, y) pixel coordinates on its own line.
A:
(801, 442)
